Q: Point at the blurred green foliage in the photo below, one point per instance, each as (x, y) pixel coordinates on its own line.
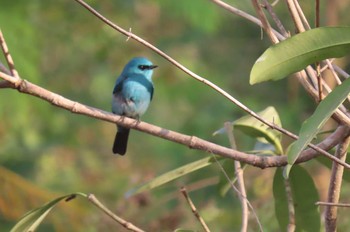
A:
(62, 47)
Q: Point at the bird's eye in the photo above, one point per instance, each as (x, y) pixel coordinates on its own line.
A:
(143, 67)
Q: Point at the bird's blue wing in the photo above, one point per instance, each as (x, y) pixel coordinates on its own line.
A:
(119, 84)
(151, 91)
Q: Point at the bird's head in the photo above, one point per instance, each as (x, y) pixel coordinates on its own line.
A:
(140, 65)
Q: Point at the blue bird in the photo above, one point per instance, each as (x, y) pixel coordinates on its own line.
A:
(132, 93)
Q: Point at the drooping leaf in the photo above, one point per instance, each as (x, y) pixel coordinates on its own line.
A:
(314, 124)
(280, 198)
(31, 220)
(254, 128)
(299, 51)
(174, 174)
(304, 195)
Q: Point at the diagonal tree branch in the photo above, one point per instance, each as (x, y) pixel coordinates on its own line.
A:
(193, 142)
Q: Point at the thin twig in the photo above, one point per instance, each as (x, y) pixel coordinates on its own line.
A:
(240, 178)
(7, 54)
(291, 209)
(126, 224)
(295, 15)
(201, 79)
(319, 81)
(335, 75)
(321, 203)
(265, 22)
(275, 18)
(317, 13)
(302, 15)
(238, 192)
(335, 186)
(194, 209)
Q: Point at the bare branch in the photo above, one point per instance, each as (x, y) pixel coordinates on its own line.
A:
(190, 141)
(244, 15)
(321, 203)
(334, 186)
(278, 22)
(291, 209)
(194, 210)
(7, 54)
(238, 192)
(265, 22)
(240, 179)
(295, 15)
(126, 224)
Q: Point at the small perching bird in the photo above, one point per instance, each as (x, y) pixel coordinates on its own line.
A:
(132, 93)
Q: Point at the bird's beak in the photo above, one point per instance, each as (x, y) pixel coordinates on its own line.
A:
(153, 66)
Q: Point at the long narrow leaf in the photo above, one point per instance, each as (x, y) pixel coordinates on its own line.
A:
(31, 220)
(172, 175)
(299, 51)
(314, 124)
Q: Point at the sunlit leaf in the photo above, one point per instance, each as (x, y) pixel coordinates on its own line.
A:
(174, 174)
(299, 51)
(254, 128)
(304, 195)
(31, 220)
(314, 124)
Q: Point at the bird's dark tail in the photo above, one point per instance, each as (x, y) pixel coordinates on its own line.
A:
(121, 141)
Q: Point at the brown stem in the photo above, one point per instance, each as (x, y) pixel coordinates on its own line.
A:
(265, 22)
(240, 179)
(345, 205)
(334, 186)
(8, 56)
(291, 210)
(126, 224)
(190, 141)
(194, 209)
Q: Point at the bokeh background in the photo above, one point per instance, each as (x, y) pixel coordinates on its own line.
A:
(46, 151)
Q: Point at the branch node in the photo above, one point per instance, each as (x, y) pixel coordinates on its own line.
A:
(192, 142)
(21, 85)
(75, 107)
(129, 35)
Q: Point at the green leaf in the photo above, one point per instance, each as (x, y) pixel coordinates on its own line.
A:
(280, 197)
(314, 124)
(174, 174)
(183, 230)
(254, 128)
(31, 220)
(304, 194)
(299, 51)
